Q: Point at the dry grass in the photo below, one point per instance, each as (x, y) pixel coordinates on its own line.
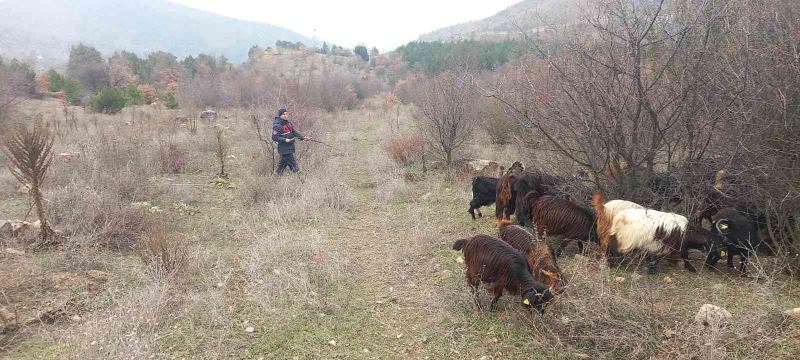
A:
(347, 250)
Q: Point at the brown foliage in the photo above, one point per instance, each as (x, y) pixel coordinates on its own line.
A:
(405, 150)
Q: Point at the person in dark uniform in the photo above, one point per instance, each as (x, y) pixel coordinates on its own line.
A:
(284, 133)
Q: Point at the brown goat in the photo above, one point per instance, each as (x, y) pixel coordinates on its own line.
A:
(501, 267)
(560, 218)
(541, 258)
(504, 204)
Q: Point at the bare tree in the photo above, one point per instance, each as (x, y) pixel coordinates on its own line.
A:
(221, 149)
(13, 90)
(625, 86)
(29, 151)
(443, 116)
(760, 144)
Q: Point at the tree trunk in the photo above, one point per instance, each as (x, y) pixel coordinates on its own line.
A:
(45, 232)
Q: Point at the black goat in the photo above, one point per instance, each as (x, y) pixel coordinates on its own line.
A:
(740, 237)
(484, 193)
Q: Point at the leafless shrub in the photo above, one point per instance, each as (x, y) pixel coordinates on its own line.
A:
(172, 158)
(444, 103)
(164, 251)
(601, 101)
(221, 149)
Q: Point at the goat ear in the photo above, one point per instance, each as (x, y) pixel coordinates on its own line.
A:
(548, 272)
(723, 226)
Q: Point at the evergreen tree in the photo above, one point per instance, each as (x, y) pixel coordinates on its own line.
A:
(362, 52)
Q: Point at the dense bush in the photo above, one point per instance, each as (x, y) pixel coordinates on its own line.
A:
(169, 100)
(109, 100)
(71, 87)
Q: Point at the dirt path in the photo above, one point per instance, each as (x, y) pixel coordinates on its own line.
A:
(393, 272)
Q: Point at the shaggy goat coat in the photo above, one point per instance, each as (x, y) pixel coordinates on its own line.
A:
(541, 258)
(655, 232)
(501, 267)
(647, 229)
(560, 218)
(605, 217)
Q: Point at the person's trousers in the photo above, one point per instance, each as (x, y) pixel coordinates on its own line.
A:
(287, 160)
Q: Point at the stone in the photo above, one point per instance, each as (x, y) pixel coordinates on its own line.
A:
(24, 189)
(475, 167)
(7, 317)
(792, 313)
(619, 279)
(250, 329)
(712, 316)
(332, 343)
(208, 115)
(5, 229)
(67, 157)
(19, 226)
(668, 280)
(11, 251)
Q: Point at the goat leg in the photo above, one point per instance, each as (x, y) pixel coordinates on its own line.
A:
(686, 264)
(497, 295)
(652, 264)
(474, 287)
(743, 260)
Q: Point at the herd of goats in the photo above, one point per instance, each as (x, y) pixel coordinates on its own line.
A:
(521, 263)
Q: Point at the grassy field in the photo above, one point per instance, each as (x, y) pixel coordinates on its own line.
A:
(346, 260)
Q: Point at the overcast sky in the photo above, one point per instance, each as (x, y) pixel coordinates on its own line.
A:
(385, 24)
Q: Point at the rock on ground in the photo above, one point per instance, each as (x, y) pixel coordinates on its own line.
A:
(712, 316)
(792, 313)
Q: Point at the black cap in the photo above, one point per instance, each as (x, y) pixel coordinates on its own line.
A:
(281, 111)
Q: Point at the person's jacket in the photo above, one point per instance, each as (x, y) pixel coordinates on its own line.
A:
(282, 130)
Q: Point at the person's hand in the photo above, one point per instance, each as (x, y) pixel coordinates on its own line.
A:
(306, 138)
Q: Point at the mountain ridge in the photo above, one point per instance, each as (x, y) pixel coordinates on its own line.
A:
(525, 15)
(44, 30)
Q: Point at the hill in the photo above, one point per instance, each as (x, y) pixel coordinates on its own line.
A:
(527, 15)
(44, 30)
